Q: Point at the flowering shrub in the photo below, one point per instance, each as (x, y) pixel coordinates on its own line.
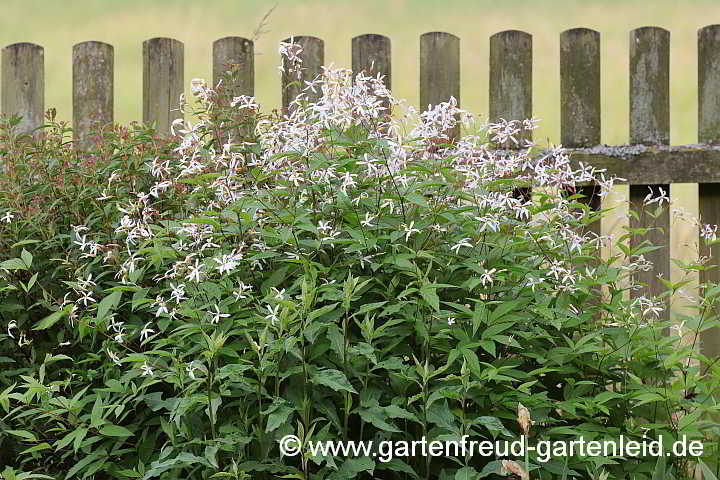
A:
(173, 309)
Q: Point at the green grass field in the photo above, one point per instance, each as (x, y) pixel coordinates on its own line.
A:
(58, 24)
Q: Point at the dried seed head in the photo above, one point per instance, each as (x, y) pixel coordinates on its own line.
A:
(523, 418)
(510, 466)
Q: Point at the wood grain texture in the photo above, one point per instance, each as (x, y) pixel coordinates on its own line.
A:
(23, 85)
(163, 82)
(93, 72)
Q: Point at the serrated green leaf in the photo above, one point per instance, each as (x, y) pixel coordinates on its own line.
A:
(333, 379)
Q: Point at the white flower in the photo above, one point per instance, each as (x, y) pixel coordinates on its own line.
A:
(194, 274)
(178, 292)
(145, 332)
(12, 325)
(217, 315)
(409, 230)
(113, 357)
(451, 321)
(162, 306)
(662, 197)
(273, 315)
(85, 298)
(146, 370)
(487, 276)
(190, 369)
(7, 217)
(240, 291)
(322, 226)
(368, 220)
(228, 262)
(462, 243)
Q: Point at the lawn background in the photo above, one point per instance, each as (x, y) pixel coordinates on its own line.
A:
(58, 24)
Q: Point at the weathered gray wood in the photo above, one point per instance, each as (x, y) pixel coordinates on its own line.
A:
(653, 165)
(371, 55)
(709, 133)
(511, 77)
(709, 206)
(23, 85)
(163, 82)
(313, 59)
(439, 68)
(580, 87)
(650, 86)
(93, 67)
(439, 71)
(580, 98)
(234, 61)
(709, 84)
(650, 125)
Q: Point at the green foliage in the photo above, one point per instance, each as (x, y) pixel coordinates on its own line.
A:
(175, 308)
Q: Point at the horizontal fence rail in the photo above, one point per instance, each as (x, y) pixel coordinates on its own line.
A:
(649, 162)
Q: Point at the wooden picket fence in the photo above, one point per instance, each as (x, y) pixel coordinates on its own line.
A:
(648, 161)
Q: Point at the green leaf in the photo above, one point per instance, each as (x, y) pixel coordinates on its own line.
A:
(467, 473)
(440, 415)
(108, 303)
(332, 378)
(79, 437)
(24, 434)
(494, 426)
(13, 264)
(22, 243)
(50, 320)
(37, 448)
(377, 417)
(96, 413)
(278, 417)
(26, 257)
(649, 397)
(82, 464)
(115, 431)
(351, 467)
(430, 296)
(503, 309)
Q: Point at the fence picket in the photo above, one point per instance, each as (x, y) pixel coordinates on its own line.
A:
(93, 67)
(709, 133)
(163, 82)
(439, 70)
(650, 125)
(371, 54)
(313, 59)
(580, 98)
(234, 56)
(511, 77)
(23, 85)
